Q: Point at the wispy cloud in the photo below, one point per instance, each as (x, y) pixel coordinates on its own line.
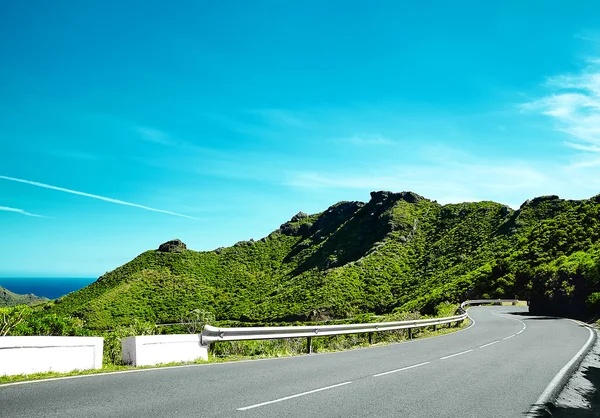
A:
(590, 36)
(451, 181)
(279, 117)
(511, 176)
(93, 196)
(20, 211)
(574, 104)
(366, 140)
(73, 155)
(161, 137)
(155, 135)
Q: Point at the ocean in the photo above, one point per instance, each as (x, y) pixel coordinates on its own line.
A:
(50, 287)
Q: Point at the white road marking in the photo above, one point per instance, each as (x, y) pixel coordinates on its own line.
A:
(510, 336)
(514, 319)
(547, 396)
(292, 396)
(399, 370)
(457, 354)
(487, 345)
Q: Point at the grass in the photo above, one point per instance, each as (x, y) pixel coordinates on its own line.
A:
(243, 353)
(109, 368)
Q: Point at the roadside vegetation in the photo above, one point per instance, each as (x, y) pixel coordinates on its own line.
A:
(250, 350)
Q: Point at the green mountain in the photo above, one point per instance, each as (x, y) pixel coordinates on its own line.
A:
(399, 251)
(8, 298)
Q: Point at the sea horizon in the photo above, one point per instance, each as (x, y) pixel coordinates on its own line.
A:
(49, 287)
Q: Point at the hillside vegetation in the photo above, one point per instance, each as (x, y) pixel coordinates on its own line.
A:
(8, 298)
(398, 252)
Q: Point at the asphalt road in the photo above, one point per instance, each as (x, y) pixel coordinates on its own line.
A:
(496, 368)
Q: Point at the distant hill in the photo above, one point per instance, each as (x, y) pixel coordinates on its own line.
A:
(399, 251)
(8, 298)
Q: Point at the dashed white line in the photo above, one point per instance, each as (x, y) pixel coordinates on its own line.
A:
(487, 345)
(457, 354)
(399, 370)
(514, 319)
(510, 336)
(292, 396)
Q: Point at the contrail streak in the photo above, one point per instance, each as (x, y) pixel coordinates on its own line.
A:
(93, 196)
(21, 211)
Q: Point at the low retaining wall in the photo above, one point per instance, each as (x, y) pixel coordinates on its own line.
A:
(27, 355)
(149, 350)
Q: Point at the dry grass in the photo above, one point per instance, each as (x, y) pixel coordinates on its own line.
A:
(519, 303)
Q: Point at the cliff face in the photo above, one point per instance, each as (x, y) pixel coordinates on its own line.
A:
(397, 251)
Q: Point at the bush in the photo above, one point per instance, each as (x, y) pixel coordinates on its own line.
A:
(593, 301)
(196, 319)
(445, 309)
(52, 324)
(23, 320)
(12, 317)
(112, 339)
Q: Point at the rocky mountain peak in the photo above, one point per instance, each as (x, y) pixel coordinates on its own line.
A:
(173, 246)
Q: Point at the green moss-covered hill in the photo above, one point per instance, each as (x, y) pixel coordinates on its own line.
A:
(8, 298)
(398, 251)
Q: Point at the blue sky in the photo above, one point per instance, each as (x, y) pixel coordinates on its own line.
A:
(126, 124)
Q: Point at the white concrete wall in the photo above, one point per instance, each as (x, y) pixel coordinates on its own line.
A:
(26, 355)
(149, 350)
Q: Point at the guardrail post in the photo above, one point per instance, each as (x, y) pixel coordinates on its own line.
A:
(309, 345)
(370, 338)
(410, 333)
(435, 328)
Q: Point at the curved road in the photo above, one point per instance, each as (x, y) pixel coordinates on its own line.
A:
(496, 368)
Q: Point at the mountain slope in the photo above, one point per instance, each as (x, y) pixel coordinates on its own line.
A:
(8, 298)
(398, 251)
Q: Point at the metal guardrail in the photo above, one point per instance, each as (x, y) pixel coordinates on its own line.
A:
(487, 301)
(212, 334)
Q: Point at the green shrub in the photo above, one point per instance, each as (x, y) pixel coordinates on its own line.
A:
(196, 319)
(112, 339)
(446, 309)
(10, 318)
(52, 324)
(23, 320)
(593, 301)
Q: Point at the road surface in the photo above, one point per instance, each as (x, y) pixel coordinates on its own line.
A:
(496, 368)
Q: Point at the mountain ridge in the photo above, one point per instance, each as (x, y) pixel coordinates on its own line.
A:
(8, 298)
(398, 251)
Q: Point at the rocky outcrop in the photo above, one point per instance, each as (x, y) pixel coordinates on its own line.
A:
(173, 246)
(538, 200)
(299, 216)
(409, 197)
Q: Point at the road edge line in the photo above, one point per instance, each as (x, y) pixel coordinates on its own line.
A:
(561, 379)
